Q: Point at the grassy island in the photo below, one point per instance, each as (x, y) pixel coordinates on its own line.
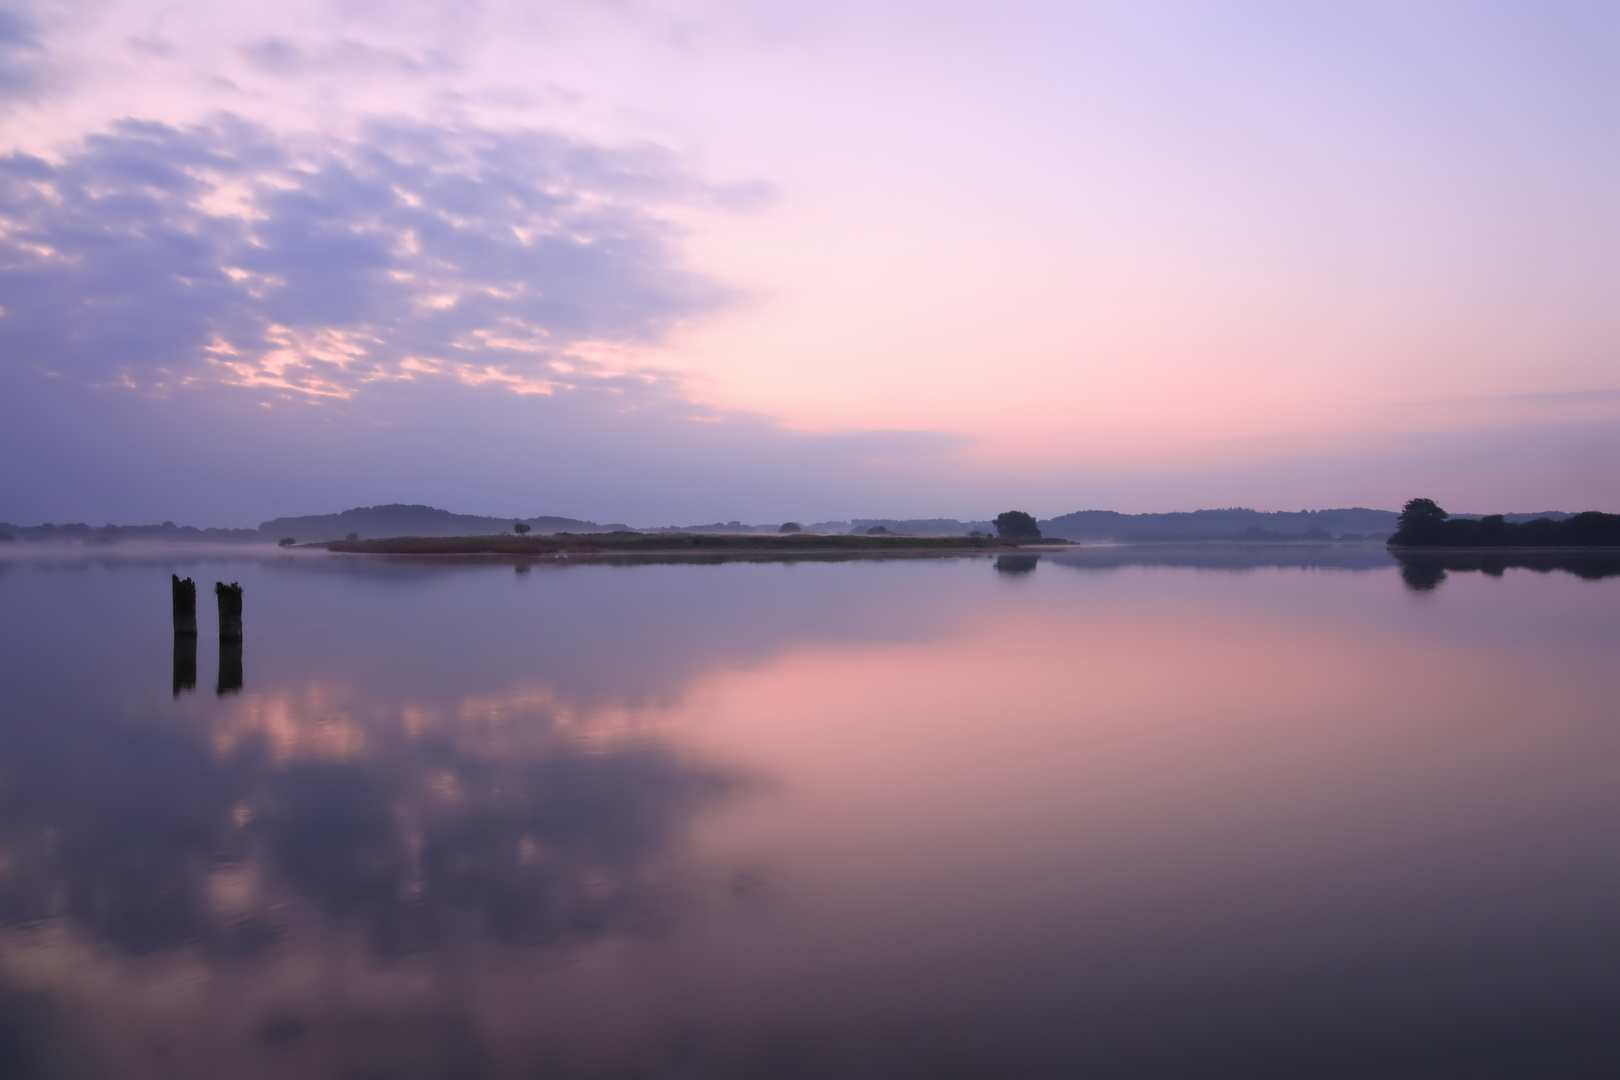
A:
(680, 543)
(1424, 525)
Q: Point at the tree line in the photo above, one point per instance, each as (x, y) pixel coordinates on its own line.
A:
(1424, 524)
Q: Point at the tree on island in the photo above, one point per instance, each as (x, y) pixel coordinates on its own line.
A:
(1421, 512)
(1421, 520)
(1424, 524)
(520, 528)
(1017, 525)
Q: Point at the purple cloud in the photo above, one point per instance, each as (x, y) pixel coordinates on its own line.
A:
(22, 55)
(157, 256)
(384, 295)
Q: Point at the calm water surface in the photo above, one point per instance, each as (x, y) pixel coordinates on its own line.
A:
(1216, 813)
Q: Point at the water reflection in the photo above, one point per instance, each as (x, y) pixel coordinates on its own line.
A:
(830, 819)
(230, 666)
(1422, 575)
(408, 829)
(1016, 564)
(1227, 556)
(185, 663)
(1423, 571)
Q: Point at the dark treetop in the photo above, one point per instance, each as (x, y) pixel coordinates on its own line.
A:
(1017, 525)
(1424, 524)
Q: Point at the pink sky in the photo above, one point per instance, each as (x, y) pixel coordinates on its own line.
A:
(1134, 256)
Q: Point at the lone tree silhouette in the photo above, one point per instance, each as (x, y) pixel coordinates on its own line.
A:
(790, 527)
(1421, 512)
(1017, 525)
(520, 528)
(1421, 520)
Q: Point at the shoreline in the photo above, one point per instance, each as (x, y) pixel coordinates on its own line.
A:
(1504, 549)
(569, 546)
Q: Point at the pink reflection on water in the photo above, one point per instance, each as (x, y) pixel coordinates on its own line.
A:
(1200, 787)
(1135, 819)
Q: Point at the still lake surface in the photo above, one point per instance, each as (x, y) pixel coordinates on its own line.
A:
(1215, 812)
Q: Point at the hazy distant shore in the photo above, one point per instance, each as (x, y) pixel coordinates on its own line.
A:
(417, 520)
(1426, 526)
(1497, 552)
(676, 543)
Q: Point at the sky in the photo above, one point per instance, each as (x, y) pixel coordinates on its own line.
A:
(675, 262)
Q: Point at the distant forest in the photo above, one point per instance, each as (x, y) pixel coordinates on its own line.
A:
(398, 519)
(1424, 524)
(79, 532)
(1356, 523)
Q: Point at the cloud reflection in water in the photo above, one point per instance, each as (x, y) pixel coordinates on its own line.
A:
(406, 823)
(1134, 813)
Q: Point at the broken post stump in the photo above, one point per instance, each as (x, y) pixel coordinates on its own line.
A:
(230, 610)
(184, 594)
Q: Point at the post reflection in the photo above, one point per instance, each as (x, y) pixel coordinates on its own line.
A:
(185, 663)
(229, 680)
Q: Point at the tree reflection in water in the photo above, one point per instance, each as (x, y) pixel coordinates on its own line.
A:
(1423, 571)
(1016, 564)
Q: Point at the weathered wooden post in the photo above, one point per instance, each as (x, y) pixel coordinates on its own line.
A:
(184, 594)
(230, 610)
(230, 637)
(183, 597)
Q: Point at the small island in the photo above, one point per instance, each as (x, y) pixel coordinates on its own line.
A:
(637, 543)
(1423, 524)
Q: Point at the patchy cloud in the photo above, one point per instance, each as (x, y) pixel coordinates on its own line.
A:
(232, 324)
(285, 58)
(156, 256)
(22, 55)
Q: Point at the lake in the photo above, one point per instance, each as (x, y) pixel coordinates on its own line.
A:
(1223, 811)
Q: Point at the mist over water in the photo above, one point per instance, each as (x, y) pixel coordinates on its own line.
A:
(1212, 811)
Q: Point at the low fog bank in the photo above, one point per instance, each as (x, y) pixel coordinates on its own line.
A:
(397, 519)
(1356, 523)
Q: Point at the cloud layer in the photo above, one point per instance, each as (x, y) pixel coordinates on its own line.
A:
(258, 260)
(242, 323)
(157, 256)
(21, 54)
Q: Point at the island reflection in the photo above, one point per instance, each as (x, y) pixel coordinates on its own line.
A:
(1425, 570)
(1125, 817)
